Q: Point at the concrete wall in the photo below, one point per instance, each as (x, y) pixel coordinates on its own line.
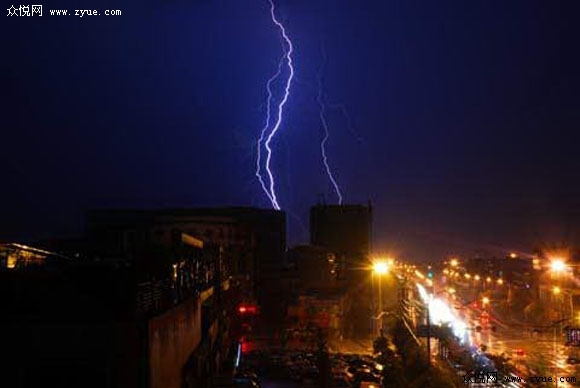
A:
(173, 337)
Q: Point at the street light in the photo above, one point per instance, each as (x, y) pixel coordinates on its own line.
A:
(557, 265)
(454, 262)
(381, 267)
(485, 300)
(556, 290)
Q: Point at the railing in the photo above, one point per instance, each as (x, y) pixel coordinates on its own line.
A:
(153, 296)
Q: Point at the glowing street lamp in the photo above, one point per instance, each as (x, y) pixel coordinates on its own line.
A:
(454, 262)
(557, 265)
(556, 290)
(485, 300)
(500, 281)
(381, 267)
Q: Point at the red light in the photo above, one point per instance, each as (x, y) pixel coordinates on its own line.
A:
(247, 309)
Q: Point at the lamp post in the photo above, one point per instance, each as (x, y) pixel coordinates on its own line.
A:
(559, 267)
(380, 268)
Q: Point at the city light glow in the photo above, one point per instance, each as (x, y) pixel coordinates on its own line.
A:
(558, 265)
(381, 267)
(441, 314)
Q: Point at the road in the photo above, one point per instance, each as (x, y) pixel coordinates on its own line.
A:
(545, 354)
(541, 355)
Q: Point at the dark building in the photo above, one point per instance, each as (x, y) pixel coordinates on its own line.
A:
(320, 295)
(253, 242)
(344, 230)
(157, 314)
(315, 267)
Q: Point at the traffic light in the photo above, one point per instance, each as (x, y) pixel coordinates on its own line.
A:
(430, 274)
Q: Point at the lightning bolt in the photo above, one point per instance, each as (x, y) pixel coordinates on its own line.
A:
(265, 137)
(322, 104)
(265, 129)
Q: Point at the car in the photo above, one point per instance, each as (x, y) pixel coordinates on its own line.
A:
(369, 384)
(246, 374)
(369, 377)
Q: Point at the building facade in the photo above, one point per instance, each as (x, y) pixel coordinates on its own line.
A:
(137, 309)
(345, 230)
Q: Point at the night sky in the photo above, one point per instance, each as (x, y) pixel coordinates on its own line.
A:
(461, 128)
